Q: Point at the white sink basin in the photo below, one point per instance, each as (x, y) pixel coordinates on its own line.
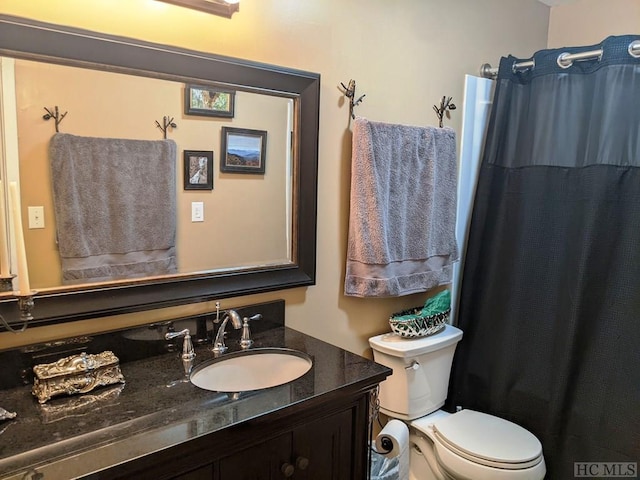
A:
(251, 370)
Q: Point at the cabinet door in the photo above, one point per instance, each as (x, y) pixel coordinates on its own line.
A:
(324, 449)
(262, 462)
(203, 473)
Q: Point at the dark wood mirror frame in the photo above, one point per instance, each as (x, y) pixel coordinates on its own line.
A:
(28, 39)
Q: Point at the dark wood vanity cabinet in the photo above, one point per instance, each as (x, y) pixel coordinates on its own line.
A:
(327, 441)
(155, 428)
(319, 450)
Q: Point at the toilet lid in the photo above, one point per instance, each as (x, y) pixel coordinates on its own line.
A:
(488, 440)
(397, 346)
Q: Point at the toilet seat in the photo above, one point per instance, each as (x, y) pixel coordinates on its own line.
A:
(482, 439)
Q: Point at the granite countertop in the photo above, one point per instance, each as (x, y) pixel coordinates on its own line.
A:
(157, 408)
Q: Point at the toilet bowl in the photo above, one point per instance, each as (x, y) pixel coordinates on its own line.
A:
(464, 445)
(473, 445)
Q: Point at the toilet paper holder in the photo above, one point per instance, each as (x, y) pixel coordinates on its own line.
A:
(393, 440)
(386, 444)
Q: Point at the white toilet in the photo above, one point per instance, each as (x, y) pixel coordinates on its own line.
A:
(464, 445)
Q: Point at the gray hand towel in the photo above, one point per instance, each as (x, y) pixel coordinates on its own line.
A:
(403, 209)
(115, 206)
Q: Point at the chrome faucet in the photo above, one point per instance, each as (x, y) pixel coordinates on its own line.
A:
(188, 353)
(218, 343)
(245, 340)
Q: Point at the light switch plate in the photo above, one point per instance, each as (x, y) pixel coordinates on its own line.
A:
(36, 217)
(197, 211)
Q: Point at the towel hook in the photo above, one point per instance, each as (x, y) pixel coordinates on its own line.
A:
(349, 91)
(445, 107)
(166, 123)
(55, 114)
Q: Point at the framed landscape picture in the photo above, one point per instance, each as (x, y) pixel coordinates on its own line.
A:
(243, 150)
(208, 101)
(198, 170)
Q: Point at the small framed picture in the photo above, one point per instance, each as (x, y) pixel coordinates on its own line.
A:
(198, 170)
(243, 150)
(208, 101)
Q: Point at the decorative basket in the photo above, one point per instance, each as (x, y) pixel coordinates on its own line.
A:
(418, 326)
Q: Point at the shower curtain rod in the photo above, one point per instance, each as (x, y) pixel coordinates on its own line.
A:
(565, 60)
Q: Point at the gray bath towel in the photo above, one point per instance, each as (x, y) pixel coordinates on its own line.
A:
(115, 207)
(403, 209)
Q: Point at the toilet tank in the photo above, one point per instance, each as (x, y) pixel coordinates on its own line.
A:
(421, 369)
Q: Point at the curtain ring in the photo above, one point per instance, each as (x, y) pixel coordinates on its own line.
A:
(562, 60)
(514, 67)
(634, 49)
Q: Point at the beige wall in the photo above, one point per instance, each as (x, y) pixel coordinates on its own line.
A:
(405, 55)
(587, 22)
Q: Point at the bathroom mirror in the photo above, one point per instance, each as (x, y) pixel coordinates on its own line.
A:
(279, 101)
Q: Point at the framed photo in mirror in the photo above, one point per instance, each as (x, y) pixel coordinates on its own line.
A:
(198, 170)
(243, 150)
(208, 101)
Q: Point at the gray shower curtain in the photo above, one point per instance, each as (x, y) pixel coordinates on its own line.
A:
(550, 299)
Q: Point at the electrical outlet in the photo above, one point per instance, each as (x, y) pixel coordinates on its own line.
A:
(36, 217)
(197, 211)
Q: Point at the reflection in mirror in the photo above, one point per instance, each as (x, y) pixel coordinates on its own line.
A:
(246, 219)
(258, 232)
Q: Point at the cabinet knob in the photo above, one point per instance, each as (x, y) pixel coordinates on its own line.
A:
(302, 463)
(287, 470)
